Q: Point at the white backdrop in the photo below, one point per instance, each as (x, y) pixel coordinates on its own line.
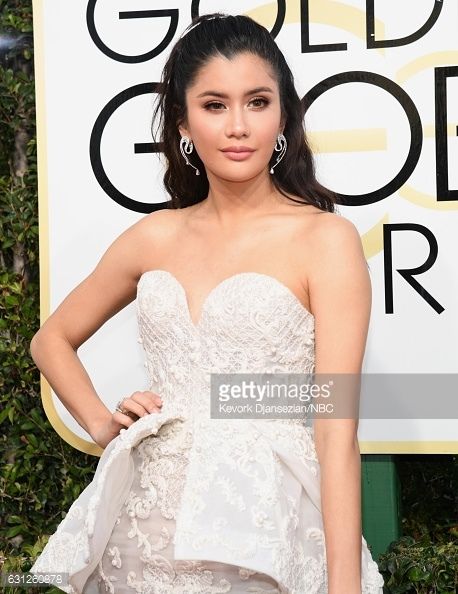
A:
(381, 103)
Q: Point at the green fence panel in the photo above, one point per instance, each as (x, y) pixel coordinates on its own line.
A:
(381, 503)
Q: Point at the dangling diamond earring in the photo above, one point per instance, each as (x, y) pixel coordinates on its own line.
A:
(186, 147)
(282, 145)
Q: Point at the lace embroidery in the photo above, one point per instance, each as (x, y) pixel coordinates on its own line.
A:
(156, 571)
(243, 493)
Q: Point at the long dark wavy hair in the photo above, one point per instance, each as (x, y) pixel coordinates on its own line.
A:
(219, 34)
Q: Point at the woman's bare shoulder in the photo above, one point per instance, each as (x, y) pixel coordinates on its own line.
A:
(323, 236)
(155, 228)
(335, 227)
(326, 225)
(157, 222)
(332, 242)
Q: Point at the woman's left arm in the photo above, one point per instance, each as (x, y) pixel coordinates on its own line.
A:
(340, 298)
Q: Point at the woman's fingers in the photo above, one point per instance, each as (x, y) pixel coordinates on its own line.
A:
(150, 401)
(147, 401)
(123, 419)
(131, 406)
(139, 404)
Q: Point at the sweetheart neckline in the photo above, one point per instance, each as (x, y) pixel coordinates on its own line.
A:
(197, 324)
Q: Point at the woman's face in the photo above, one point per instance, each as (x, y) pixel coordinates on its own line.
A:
(234, 103)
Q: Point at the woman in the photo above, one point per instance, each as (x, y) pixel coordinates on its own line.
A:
(226, 281)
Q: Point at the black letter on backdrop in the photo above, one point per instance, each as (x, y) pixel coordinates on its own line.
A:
(281, 12)
(172, 13)
(408, 273)
(305, 35)
(416, 132)
(370, 28)
(96, 157)
(440, 77)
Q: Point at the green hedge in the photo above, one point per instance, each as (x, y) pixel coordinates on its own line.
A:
(41, 475)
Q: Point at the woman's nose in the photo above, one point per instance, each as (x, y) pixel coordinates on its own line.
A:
(236, 122)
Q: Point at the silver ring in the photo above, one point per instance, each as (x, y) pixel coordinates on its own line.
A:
(119, 407)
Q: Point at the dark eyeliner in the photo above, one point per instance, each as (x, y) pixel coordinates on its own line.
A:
(266, 102)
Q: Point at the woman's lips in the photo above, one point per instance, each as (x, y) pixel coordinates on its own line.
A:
(239, 156)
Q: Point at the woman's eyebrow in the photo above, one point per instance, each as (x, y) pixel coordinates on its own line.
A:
(224, 96)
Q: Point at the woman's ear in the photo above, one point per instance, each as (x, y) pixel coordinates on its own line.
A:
(183, 130)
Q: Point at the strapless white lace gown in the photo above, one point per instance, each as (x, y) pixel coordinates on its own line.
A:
(185, 504)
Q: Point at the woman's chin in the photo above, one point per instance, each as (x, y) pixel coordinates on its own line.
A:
(241, 174)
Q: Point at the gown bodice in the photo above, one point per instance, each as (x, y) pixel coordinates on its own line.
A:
(249, 323)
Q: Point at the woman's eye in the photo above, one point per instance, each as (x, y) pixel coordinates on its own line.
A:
(264, 101)
(217, 103)
(211, 104)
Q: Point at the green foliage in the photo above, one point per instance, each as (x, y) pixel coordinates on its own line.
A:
(16, 15)
(425, 559)
(430, 501)
(18, 219)
(17, 108)
(420, 567)
(41, 475)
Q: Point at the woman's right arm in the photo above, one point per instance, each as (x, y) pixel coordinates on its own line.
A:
(110, 287)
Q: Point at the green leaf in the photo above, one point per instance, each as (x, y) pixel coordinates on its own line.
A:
(11, 414)
(14, 531)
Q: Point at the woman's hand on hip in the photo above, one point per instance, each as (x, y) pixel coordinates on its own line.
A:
(138, 405)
